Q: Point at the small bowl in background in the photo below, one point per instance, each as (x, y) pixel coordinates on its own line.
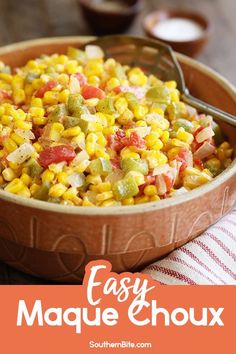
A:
(190, 47)
(109, 17)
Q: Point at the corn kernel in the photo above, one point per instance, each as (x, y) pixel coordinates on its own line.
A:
(10, 145)
(34, 188)
(112, 83)
(74, 131)
(82, 166)
(23, 125)
(6, 77)
(57, 190)
(6, 120)
(137, 77)
(94, 179)
(8, 174)
(121, 105)
(153, 139)
(47, 176)
(171, 84)
(109, 203)
(24, 192)
(127, 152)
(165, 136)
(104, 196)
(14, 186)
(62, 178)
(140, 112)
(128, 201)
(154, 198)
(36, 102)
(94, 80)
(86, 202)
(141, 200)
(63, 96)
(138, 176)
(150, 190)
(1, 180)
(17, 139)
(184, 136)
(37, 146)
(26, 179)
(104, 187)
(19, 96)
(50, 97)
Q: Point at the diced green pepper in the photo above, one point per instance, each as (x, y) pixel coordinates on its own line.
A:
(42, 192)
(131, 164)
(70, 122)
(100, 167)
(132, 100)
(183, 123)
(160, 94)
(106, 105)
(30, 77)
(215, 171)
(218, 137)
(84, 125)
(35, 168)
(125, 188)
(74, 103)
(57, 114)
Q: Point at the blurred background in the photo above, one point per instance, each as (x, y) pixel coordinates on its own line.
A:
(27, 19)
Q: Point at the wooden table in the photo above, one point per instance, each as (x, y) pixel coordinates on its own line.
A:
(27, 19)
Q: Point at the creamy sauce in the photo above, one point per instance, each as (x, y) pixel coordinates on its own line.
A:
(178, 29)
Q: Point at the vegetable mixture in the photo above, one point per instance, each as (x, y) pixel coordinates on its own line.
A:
(77, 129)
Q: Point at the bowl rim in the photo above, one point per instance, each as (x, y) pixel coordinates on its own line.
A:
(129, 10)
(207, 29)
(121, 210)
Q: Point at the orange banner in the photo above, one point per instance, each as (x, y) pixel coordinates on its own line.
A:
(113, 313)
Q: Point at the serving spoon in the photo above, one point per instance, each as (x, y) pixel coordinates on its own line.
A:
(158, 59)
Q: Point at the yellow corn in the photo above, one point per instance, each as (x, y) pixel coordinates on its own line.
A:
(128, 201)
(104, 187)
(14, 186)
(140, 111)
(10, 145)
(26, 179)
(57, 190)
(150, 191)
(141, 200)
(74, 131)
(8, 174)
(47, 176)
(104, 196)
(184, 136)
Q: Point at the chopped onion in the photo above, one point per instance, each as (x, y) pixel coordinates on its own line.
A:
(139, 92)
(94, 52)
(161, 185)
(143, 131)
(192, 112)
(57, 167)
(90, 117)
(179, 191)
(205, 150)
(204, 134)
(26, 134)
(21, 154)
(161, 169)
(80, 157)
(74, 85)
(115, 176)
(76, 180)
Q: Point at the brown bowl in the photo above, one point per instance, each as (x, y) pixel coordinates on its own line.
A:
(109, 21)
(56, 242)
(190, 47)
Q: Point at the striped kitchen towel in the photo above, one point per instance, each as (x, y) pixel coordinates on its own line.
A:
(210, 259)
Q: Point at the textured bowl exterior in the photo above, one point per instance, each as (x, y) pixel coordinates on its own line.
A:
(56, 242)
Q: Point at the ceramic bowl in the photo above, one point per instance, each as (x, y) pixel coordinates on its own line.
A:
(190, 47)
(56, 242)
(111, 20)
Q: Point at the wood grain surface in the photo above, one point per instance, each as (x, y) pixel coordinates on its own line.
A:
(27, 19)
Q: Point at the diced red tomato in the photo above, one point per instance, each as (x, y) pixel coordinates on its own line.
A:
(82, 79)
(182, 157)
(117, 89)
(118, 141)
(115, 161)
(199, 163)
(168, 181)
(4, 95)
(47, 87)
(56, 154)
(89, 91)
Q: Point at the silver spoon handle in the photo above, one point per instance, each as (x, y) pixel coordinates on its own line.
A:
(208, 109)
